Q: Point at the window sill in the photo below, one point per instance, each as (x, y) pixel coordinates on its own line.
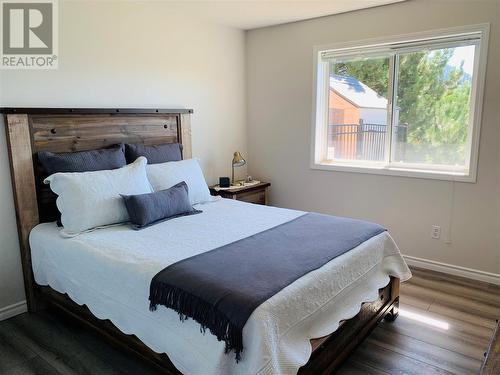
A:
(393, 171)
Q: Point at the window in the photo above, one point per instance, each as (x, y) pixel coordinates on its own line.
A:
(409, 106)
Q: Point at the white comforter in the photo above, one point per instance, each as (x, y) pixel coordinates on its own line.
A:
(109, 270)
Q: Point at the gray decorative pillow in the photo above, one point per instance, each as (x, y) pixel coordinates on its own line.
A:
(83, 161)
(148, 209)
(155, 154)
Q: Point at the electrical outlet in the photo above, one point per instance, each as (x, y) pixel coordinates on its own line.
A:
(436, 232)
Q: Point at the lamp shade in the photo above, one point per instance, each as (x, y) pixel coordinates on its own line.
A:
(238, 160)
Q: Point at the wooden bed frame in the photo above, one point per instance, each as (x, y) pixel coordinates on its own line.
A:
(30, 130)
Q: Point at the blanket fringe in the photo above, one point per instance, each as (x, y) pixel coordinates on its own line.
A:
(189, 306)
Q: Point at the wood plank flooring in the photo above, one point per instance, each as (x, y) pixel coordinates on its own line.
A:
(444, 328)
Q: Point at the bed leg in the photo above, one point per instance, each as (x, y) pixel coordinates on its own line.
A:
(36, 302)
(393, 312)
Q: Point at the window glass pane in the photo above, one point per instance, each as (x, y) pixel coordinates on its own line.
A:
(433, 102)
(357, 110)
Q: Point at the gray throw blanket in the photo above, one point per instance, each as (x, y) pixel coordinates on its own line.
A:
(221, 288)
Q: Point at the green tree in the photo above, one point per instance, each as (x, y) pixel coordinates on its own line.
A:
(432, 98)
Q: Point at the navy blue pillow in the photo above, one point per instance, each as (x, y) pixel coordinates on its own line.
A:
(152, 208)
(155, 154)
(83, 161)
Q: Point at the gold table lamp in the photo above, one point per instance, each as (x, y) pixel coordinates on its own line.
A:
(238, 161)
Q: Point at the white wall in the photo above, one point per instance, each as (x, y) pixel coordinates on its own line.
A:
(279, 107)
(132, 55)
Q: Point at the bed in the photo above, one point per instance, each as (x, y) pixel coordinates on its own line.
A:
(308, 327)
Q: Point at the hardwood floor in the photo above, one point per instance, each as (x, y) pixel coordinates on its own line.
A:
(444, 328)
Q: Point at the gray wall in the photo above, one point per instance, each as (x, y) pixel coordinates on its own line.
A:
(279, 106)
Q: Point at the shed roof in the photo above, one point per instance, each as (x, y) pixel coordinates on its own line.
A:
(357, 92)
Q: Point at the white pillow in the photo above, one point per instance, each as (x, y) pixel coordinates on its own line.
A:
(165, 175)
(89, 200)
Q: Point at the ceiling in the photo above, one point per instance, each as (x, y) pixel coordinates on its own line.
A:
(251, 14)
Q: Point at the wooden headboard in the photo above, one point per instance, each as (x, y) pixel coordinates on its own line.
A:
(30, 130)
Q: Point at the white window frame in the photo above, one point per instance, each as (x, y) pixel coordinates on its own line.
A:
(320, 107)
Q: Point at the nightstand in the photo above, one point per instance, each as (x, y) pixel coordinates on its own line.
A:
(252, 194)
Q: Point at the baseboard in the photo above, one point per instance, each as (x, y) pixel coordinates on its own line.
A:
(468, 273)
(13, 310)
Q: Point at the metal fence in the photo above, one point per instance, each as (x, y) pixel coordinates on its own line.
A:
(361, 141)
